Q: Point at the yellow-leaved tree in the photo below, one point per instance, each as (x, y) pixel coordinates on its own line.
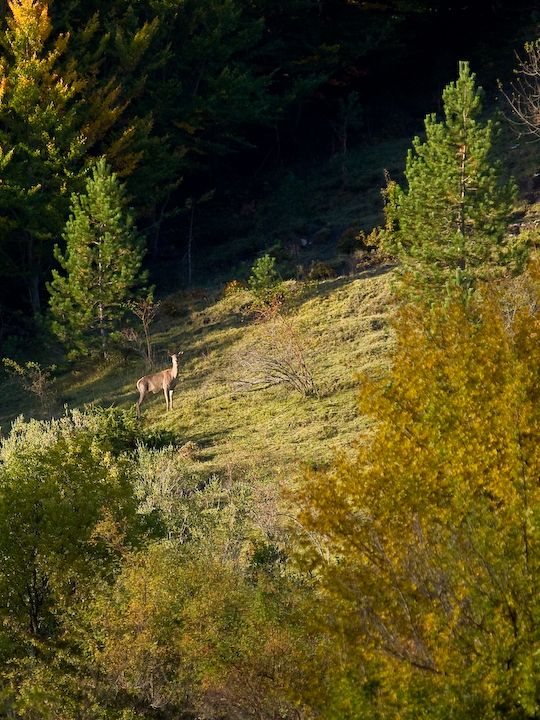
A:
(428, 540)
(58, 109)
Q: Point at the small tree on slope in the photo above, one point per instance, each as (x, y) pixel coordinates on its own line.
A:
(448, 227)
(102, 261)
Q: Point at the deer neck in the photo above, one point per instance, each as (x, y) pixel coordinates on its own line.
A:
(174, 371)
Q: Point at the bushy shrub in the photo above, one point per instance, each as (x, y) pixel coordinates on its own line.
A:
(351, 239)
(320, 270)
(66, 507)
(264, 281)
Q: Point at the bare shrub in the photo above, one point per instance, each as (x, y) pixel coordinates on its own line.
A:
(146, 311)
(131, 342)
(34, 378)
(233, 287)
(276, 357)
(524, 96)
(517, 295)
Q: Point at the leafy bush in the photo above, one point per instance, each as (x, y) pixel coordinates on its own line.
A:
(206, 641)
(114, 429)
(427, 532)
(66, 507)
(351, 239)
(320, 270)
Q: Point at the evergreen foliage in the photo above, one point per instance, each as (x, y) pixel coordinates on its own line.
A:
(58, 108)
(166, 90)
(264, 281)
(116, 48)
(41, 143)
(102, 262)
(448, 226)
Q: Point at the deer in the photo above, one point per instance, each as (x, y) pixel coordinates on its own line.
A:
(165, 380)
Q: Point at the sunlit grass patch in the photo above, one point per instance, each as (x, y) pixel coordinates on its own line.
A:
(341, 328)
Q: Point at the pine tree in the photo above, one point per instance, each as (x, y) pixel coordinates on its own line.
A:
(61, 105)
(448, 226)
(41, 143)
(102, 262)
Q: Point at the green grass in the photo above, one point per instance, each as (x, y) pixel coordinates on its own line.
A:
(341, 327)
(340, 324)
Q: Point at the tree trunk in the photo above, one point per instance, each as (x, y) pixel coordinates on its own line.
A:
(462, 193)
(149, 353)
(33, 292)
(190, 244)
(102, 331)
(33, 276)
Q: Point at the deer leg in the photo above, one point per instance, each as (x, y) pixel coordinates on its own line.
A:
(139, 403)
(171, 398)
(166, 393)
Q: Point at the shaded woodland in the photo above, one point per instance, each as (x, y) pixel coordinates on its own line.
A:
(201, 107)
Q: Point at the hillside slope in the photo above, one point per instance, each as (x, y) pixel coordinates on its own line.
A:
(337, 326)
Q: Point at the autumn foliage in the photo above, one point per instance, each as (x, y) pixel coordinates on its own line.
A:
(429, 535)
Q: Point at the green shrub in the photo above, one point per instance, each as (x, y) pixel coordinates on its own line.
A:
(264, 281)
(66, 508)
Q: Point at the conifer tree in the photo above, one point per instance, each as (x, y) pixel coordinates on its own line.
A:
(60, 105)
(41, 143)
(448, 226)
(102, 262)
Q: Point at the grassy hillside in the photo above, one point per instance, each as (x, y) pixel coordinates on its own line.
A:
(338, 325)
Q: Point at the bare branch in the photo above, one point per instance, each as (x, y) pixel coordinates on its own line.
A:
(276, 358)
(524, 96)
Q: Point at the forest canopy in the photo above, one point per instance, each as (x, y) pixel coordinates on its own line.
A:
(179, 97)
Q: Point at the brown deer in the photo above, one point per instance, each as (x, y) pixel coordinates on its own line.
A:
(165, 380)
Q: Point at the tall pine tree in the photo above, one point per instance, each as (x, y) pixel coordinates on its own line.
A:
(41, 143)
(102, 262)
(61, 103)
(448, 226)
